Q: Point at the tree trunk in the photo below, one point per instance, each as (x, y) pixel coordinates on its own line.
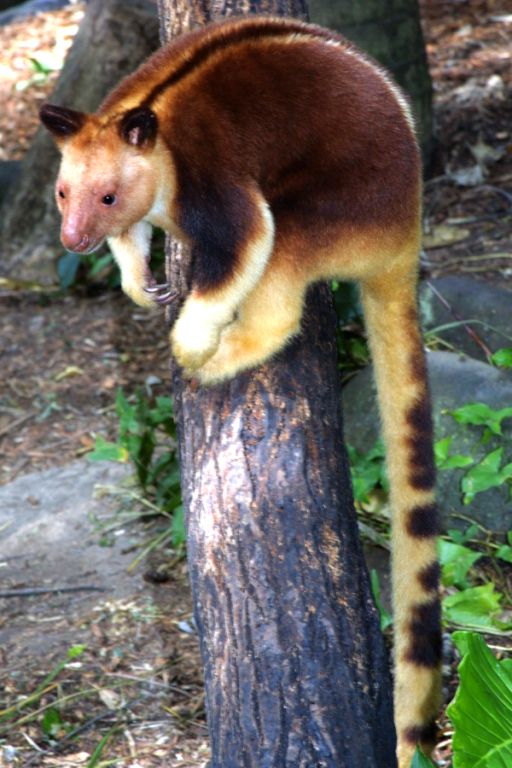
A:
(113, 39)
(390, 31)
(296, 672)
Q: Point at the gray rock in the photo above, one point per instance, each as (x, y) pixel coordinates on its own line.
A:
(9, 172)
(48, 539)
(455, 381)
(486, 308)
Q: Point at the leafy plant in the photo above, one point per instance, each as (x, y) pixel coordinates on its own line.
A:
(368, 471)
(386, 619)
(480, 414)
(476, 608)
(456, 560)
(481, 711)
(485, 475)
(41, 71)
(504, 552)
(51, 723)
(444, 461)
(147, 438)
(421, 761)
(502, 358)
(353, 350)
(12, 712)
(70, 265)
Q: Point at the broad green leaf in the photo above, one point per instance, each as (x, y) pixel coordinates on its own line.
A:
(442, 449)
(503, 358)
(505, 553)
(456, 560)
(67, 267)
(487, 474)
(367, 470)
(444, 461)
(107, 451)
(481, 711)
(475, 607)
(501, 757)
(461, 537)
(480, 414)
(421, 761)
(457, 461)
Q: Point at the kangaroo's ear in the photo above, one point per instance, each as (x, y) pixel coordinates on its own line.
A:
(139, 126)
(60, 121)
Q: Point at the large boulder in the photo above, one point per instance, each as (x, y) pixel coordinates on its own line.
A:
(485, 309)
(455, 381)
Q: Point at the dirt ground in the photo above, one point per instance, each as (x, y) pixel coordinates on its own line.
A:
(64, 355)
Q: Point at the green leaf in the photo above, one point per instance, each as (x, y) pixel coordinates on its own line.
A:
(179, 534)
(95, 757)
(461, 537)
(421, 761)
(456, 560)
(487, 474)
(107, 451)
(51, 723)
(75, 651)
(505, 553)
(502, 358)
(386, 620)
(481, 711)
(442, 449)
(101, 263)
(475, 608)
(480, 414)
(67, 268)
(368, 470)
(444, 461)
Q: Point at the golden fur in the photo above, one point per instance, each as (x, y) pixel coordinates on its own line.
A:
(282, 156)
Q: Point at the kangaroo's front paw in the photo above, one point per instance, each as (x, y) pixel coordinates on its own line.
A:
(137, 293)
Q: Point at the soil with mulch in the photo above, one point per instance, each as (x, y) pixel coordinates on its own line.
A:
(64, 355)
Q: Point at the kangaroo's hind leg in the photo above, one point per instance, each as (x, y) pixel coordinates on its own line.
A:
(266, 321)
(389, 302)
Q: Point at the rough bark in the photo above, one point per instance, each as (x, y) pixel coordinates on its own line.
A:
(296, 671)
(389, 30)
(113, 39)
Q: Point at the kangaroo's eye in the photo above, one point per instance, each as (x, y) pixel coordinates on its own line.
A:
(61, 194)
(108, 199)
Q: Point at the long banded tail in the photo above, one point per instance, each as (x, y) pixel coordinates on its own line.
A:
(400, 370)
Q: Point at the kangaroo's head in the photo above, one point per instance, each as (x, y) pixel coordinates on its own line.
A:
(109, 173)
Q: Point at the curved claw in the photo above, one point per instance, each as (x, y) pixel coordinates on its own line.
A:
(156, 288)
(166, 298)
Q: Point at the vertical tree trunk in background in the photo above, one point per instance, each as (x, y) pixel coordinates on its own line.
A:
(113, 39)
(296, 672)
(390, 31)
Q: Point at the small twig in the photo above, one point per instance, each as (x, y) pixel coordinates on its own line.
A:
(48, 590)
(103, 715)
(502, 192)
(483, 346)
(16, 423)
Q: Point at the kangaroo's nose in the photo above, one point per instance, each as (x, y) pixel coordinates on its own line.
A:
(74, 240)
